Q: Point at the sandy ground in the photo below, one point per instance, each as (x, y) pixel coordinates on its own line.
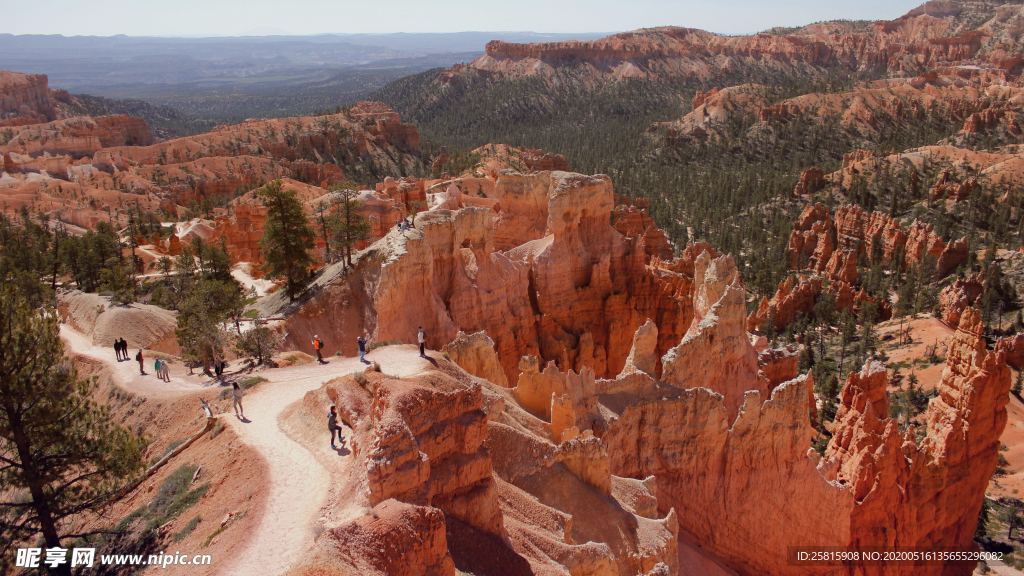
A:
(1013, 438)
(924, 332)
(300, 480)
(243, 273)
(127, 372)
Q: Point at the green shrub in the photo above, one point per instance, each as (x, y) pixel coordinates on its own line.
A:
(251, 382)
(376, 345)
(187, 529)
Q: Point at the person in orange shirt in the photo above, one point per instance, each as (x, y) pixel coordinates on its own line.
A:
(318, 346)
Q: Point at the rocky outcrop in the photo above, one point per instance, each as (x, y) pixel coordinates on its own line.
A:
(715, 353)
(475, 354)
(384, 125)
(956, 297)
(428, 447)
(875, 486)
(811, 180)
(565, 399)
(539, 160)
(914, 43)
(631, 220)
(81, 136)
(394, 539)
(894, 478)
(546, 276)
(830, 249)
(25, 99)
(643, 355)
(1013, 347)
(243, 230)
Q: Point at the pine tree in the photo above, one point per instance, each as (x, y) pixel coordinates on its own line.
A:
(349, 225)
(287, 238)
(61, 455)
(206, 306)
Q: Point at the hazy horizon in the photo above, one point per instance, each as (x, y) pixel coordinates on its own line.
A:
(237, 18)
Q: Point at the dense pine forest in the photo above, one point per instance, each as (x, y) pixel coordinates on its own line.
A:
(734, 189)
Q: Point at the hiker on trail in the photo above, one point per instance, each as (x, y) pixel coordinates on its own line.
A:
(218, 368)
(404, 224)
(117, 349)
(332, 425)
(142, 367)
(362, 348)
(421, 337)
(158, 368)
(124, 349)
(239, 411)
(165, 371)
(318, 345)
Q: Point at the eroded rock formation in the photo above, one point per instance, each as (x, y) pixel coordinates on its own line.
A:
(546, 276)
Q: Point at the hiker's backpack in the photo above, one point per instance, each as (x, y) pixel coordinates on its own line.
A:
(139, 356)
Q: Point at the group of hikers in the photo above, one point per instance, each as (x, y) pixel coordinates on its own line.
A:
(332, 417)
(161, 367)
(318, 346)
(121, 349)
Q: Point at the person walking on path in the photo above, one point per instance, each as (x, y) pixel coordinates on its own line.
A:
(124, 349)
(318, 345)
(117, 349)
(158, 368)
(239, 411)
(332, 425)
(165, 371)
(362, 348)
(218, 368)
(142, 367)
(421, 337)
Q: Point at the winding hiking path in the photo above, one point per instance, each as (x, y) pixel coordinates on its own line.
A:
(299, 482)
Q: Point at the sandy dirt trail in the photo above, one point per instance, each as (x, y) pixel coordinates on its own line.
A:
(126, 372)
(299, 483)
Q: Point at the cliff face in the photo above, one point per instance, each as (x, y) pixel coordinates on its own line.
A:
(762, 489)
(25, 99)
(918, 41)
(80, 136)
(629, 413)
(547, 275)
(911, 493)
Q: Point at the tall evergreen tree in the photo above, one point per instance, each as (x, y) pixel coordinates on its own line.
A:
(287, 238)
(349, 225)
(60, 454)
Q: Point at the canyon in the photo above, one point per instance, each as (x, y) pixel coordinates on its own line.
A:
(605, 391)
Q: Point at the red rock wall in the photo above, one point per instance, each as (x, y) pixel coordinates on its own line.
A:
(26, 96)
(428, 447)
(761, 489)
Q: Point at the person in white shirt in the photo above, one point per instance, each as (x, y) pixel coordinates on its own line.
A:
(421, 337)
(239, 411)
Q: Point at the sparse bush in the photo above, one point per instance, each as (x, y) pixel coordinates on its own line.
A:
(187, 529)
(258, 343)
(376, 345)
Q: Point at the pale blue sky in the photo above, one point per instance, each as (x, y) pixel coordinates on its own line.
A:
(259, 17)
